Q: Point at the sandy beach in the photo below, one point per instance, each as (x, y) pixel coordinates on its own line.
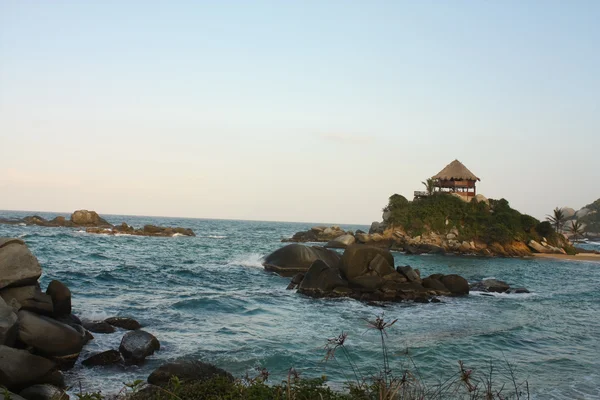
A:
(577, 257)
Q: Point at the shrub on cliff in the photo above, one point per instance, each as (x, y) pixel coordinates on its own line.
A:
(496, 222)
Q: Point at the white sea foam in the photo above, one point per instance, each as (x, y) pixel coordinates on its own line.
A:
(177, 234)
(252, 260)
(215, 236)
(22, 224)
(515, 296)
(22, 235)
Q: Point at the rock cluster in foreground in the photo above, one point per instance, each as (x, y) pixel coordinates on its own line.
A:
(39, 335)
(93, 223)
(363, 272)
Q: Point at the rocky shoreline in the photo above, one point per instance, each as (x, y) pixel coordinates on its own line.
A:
(93, 223)
(396, 239)
(39, 335)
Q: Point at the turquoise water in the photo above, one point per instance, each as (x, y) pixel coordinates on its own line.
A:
(208, 297)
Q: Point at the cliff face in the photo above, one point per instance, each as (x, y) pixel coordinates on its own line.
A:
(589, 216)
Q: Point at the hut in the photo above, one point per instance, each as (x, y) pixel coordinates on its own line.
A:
(456, 178)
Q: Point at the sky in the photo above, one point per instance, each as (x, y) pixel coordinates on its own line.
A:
(312, 111)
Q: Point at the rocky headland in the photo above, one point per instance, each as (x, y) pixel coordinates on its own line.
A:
(444, 224)
(93, 223)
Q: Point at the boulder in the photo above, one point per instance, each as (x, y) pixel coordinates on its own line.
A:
(357, 258)
(341, 242)
(456, 284)
(48, 336)
(109, 357)
(44, 392)
(294, 258)
(88, 218)
(18, 266)
(582, 212)
(539, 248)
(61, 298)
(124, 322)
(30, 298)
(98, 326)
(568, 212)
(8, 324)
(295, 281)
(19, 368)
(491, 285)
(409, 273)
(137, 345)
(187, 371)
(434, 284)
(481, 198)
(321, 278)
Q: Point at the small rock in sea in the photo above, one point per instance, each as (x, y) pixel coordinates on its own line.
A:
(98, 326)
(486, 294)
(123, 322)
(108, 357)
(137, 345)
(435, 300)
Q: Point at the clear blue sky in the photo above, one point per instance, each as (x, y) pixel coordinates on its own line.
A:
(307, 111)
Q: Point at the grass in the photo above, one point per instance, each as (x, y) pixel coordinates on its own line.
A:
(491, 383)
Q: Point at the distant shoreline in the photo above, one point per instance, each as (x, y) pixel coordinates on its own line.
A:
(576, 257)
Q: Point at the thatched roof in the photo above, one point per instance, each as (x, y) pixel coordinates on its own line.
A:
(456, 171)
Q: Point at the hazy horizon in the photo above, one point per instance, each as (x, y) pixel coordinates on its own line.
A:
(294, 112)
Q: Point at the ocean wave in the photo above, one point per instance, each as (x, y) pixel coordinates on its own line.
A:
(215, 236)
(252, 260)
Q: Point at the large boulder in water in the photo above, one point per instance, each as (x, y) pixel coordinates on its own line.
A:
(20, 368)
(18, 266)
(359, 259)
(31, 298)
(108, 357)
(88, 218)
(61, 298)
(137, 345)
(321, 278)
(8, 324)
(48, 336)
(456, 284)
(187, 371)
(491, 285)
(294, 258)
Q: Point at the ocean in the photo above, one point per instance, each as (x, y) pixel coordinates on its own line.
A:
(208, 298)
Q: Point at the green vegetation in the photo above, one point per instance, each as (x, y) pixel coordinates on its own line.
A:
(490, 383)
(576, 228)
(496, 222)
(557, 219)
(429, 186)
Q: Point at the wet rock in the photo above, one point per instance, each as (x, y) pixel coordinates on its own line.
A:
(19, 368)
(124, 322)
(294, 258)
(44, 392)
(30, 298)
(61, 298)
(88, 218)
(321, 278)
(341, 242)
(434, 284)
(295, 281)
(10, 396)
(457, 285)
(18, 267)
(410, 274)
(109, 357)
(137, 345)
(8, 324)
(491, 285)
(187, 371)
(49, 336)
(357, 258)
(98, 326)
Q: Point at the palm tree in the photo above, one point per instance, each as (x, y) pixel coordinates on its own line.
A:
(429, 186)
(558, 219)
(576, 229)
